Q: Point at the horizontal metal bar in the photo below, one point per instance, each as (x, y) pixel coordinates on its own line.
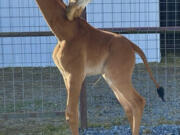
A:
(145, 30)
(132, 30)
(26, 34)
(30, 115)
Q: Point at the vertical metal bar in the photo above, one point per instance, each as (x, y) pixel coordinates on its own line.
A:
(174, 57)
(41, 67)
(22, 60)
(13, 54)
(2, 64)
(83, 97)
(3, 75)
(166, 41)
(102, 4)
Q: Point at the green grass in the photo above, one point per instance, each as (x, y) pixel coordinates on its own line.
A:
(56, 130)
(162, 121)
(108, 125)
(146, 131)
(53, 126)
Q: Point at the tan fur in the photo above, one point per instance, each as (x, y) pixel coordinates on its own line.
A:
(83, 50)
(75, 8)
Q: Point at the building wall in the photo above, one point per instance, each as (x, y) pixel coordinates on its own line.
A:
(170, 17)
(129, 13)
(24, 16)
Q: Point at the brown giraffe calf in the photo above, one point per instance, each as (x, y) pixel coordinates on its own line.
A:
(83, 50)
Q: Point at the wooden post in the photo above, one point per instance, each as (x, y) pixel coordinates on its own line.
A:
(83, 98)
(83, 106)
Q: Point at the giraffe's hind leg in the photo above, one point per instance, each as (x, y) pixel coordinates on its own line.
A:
(117, 73)
(131, 101)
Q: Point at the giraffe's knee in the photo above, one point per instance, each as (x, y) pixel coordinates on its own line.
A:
(138, 104)
(141, 102)
(71, 117)
(127, 109)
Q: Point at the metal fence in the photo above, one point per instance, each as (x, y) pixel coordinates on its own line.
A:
(31, 85)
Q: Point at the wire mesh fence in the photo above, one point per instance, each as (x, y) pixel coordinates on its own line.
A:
(31, 85)
(28, 74)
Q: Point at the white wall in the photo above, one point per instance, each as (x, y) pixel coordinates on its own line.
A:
(129, 13)
(36, 51)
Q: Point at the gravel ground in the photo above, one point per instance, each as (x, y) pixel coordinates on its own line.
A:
(58, 126)
(125, 130)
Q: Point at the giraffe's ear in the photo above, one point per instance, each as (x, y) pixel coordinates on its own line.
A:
(75, 8)
(61, 2)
